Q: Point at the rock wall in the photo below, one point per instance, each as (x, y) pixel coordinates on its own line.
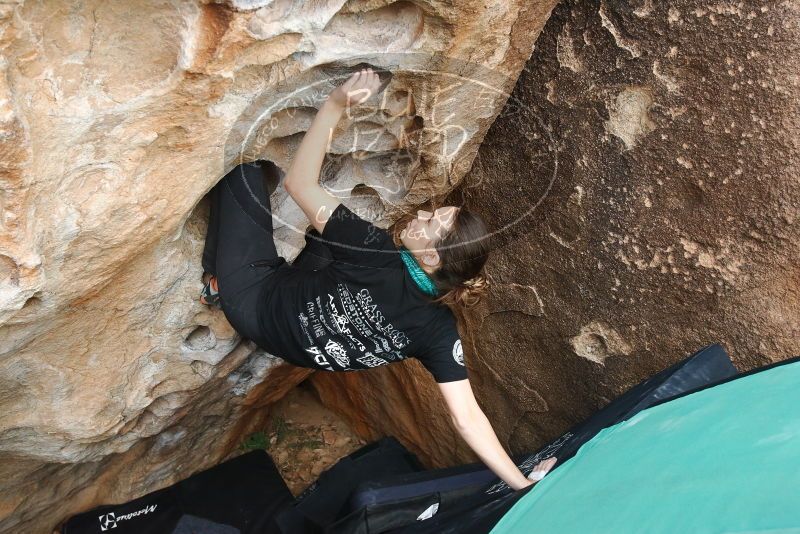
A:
(117, 118)
(644, 183)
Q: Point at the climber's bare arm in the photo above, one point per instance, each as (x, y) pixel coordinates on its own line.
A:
(316, 203)
(474, 427)
(302, 178)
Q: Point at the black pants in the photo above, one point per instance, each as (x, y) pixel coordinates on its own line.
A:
(240, 249)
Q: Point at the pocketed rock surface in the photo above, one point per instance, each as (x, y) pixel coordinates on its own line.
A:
(117, 118)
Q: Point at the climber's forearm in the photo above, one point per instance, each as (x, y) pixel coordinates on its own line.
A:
(304, 170)
(480, 436)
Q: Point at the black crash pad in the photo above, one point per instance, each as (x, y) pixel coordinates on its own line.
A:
(322, 503)
(240, 496)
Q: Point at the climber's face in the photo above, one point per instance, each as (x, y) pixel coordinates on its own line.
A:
(428, 228)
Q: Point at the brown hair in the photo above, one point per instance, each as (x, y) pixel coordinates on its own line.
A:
(463, 253)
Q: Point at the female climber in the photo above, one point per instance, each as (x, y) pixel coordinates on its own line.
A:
(359, 296)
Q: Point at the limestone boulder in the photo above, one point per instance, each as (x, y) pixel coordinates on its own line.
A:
(116, 119)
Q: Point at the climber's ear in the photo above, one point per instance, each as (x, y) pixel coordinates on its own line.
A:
(431, 258)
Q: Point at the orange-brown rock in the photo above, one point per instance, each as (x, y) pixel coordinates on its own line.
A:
(644, 183)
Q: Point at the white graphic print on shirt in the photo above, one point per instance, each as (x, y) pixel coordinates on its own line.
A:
(350, 321)
(338, 353)
(458, 352)
(319, 358)
(370, 360)
(323, 320)
(398, 338)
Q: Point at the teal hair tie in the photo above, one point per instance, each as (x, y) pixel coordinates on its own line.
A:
(419, 276)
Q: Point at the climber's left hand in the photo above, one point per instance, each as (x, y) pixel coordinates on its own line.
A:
(357, 89)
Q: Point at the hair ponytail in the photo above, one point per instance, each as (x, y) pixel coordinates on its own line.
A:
(470, 292)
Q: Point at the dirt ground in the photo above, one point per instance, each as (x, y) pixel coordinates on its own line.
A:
(303, 438)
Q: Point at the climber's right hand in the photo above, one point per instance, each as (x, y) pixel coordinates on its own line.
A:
(357, 89)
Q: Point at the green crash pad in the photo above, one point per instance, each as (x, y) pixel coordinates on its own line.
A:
(723, 459)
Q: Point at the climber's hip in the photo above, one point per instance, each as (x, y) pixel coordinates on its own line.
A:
(240, 292)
